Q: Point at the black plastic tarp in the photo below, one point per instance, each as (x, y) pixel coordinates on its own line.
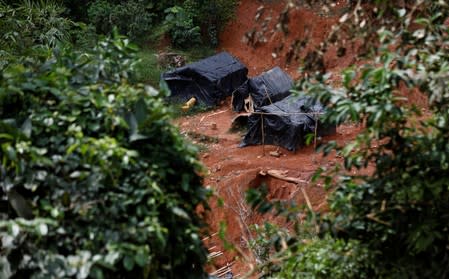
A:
(209, 80)
(285, 123)
(269, 87)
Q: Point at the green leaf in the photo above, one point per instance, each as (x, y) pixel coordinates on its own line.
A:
(26, 128)
(128, 263)
(180, 213)
(15, 229)
(20, 204)
(309, 138)
(96, 273)
(43, 229)
(6, 136)
(10, 151)
(137, 137)
(141, 259)
(132, 123)
(140, 112)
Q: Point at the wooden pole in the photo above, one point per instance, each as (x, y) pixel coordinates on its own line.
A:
(316, 132)
(263, 136)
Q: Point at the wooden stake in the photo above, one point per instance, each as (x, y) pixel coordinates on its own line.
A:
(316, 132)
(306, 197)
(263, 136)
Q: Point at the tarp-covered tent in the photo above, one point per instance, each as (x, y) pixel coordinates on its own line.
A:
(209, 80)
(285, 123)
(269, 87)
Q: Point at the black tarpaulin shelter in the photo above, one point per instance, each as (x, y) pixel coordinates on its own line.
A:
(209, 80)
(286, 123)
(269, 87)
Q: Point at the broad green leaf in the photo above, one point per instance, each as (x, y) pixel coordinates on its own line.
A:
(43, 229)
(26, 128)
(140, 112)
(128, 263)
(141, 259)
(180, 213)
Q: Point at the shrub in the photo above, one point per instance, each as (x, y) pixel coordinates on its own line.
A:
(399, 213)
(84, 36)
(94, 180)
(211, 16)
(30, 25)
(182, 31)
(99, 16)
(132, 18)
(323, 258)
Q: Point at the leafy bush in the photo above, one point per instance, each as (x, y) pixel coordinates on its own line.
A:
(84, 36)
(191, 21)
(182, 31)
(94, 180)
(323, 258)
(132, 18)
(401, 211)
(397, 217)
(138, 19)
(211, 16)
(26, 27)
(98, 15)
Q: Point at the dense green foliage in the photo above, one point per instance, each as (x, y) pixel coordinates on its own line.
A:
(132, 18)
(30, 28)
(392, 223)
(211, 16)
(400, 212)
(94, 180)
(188, 23)
(180, 27)
(325, 258)
(197, 21)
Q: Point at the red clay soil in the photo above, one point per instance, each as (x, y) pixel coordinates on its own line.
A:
(231, 170)
(310, 25)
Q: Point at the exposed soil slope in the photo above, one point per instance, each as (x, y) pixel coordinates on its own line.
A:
(257, 39)
(231, 170)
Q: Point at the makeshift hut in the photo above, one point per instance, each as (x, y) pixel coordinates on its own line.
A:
(286, 123)
(269, 87)
(209, 80)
